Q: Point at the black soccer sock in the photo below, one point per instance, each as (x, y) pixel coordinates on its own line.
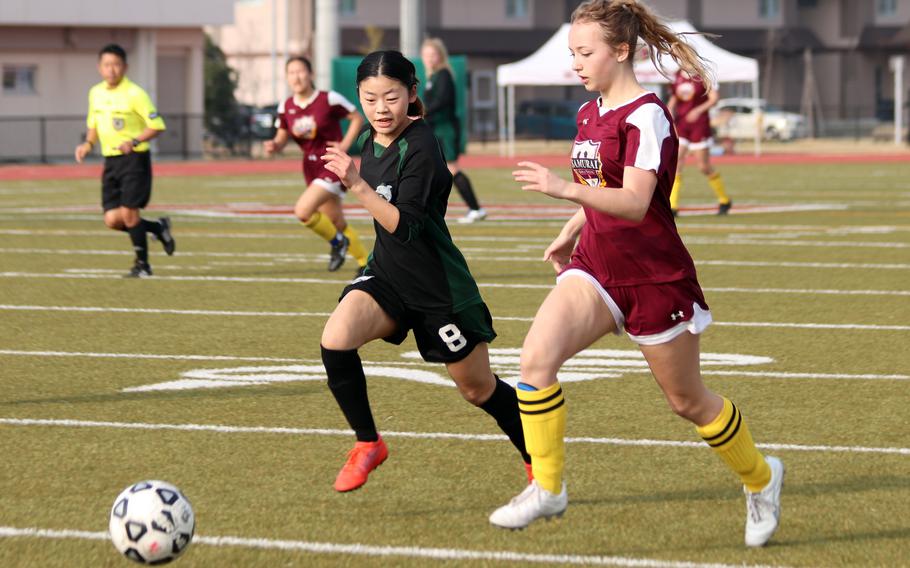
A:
(153, 227)
(503, 406)
(349, 387)
(463, 185)
(140, 242)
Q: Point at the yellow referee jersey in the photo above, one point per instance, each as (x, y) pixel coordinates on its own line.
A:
(121, 114)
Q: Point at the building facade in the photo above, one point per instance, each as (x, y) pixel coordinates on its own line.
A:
(48, 56)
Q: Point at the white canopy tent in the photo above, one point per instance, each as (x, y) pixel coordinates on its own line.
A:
(551, 65)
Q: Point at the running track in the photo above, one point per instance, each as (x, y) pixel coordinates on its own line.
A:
(251, 167)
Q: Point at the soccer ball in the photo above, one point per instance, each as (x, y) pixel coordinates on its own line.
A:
(152, 522)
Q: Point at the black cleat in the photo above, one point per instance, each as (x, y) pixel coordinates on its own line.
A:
(724, 208)
(167, 239)
(139, 270)
(336, 256)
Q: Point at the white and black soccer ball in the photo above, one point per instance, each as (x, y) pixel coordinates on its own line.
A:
(152, 522)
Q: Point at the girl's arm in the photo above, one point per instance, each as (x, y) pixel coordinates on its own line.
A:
(629, 202)
(342, 165)
(351, 134)
(277, 143)
(560, 250)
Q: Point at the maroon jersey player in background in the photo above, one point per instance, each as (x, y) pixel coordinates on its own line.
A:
(689, 103)
(312, 118)
(629, 270)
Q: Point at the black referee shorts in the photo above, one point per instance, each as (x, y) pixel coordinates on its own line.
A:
(441, 337)
(127, 181)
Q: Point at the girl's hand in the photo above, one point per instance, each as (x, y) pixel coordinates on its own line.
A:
(539, 178)
(339, 163)
(560, 252)
(693, 115)
(270, 147)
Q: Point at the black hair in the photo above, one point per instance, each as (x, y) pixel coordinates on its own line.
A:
(306, 62)
(114, 49)
(394, 65)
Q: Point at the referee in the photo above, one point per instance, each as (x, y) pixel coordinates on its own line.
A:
(123, 117)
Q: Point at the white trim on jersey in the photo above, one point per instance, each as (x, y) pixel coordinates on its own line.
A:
(336, 98)
(653, 128)
(281, 106)
(303, 103)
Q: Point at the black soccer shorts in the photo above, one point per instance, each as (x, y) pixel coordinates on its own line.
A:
(126, 181)
(441, 337)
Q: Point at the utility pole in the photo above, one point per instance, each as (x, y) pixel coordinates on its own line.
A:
(411, 26)
(328, 41)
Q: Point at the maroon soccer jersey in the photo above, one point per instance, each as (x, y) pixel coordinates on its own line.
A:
(314, 123)
(689, 92)
(615, 251)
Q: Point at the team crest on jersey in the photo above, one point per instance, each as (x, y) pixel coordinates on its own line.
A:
(304, 127)
(119, 123)
(586, 162)
(384, 191)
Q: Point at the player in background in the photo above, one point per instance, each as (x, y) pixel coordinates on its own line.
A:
(439, 98)
(689, 104)
(417, 279)
(312, 118)
(122, 116)
(628, 270)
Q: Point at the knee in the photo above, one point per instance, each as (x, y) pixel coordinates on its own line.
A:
(337, 340)
(476, 394)
(113, 223)
(706, 169)
(538, 365)
(688, 407)
(303, 211)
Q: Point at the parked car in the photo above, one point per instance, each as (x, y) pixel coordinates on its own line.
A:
(548, 119)
(262, 121)
(737, 118)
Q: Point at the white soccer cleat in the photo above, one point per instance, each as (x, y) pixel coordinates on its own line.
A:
(532, 503)
(763, 508)
(473, 216)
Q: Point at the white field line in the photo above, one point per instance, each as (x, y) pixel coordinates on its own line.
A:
(223, 429)
(357, 549)
(289, 280)
(689, 240)
(174, 357)
(167, 311)
(318, 257)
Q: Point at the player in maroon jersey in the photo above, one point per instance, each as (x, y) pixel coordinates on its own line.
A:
(689, 104)
(312, 119)
(629, 269)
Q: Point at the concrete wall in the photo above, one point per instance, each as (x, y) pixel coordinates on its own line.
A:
(155, 13)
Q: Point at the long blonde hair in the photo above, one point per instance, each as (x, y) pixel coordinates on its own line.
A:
(440, 48)
(624, 21)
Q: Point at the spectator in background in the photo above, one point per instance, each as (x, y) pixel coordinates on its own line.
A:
(439, 97)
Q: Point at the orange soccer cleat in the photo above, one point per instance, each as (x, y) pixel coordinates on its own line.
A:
(364, 458)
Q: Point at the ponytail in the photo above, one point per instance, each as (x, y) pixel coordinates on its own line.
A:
(624, 21)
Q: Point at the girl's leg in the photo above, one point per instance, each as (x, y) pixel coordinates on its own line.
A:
(677, 181)
(332, 208)
(479, 386)
(714, 180)
(466, 191)
(718, 421)
(357, 320)
(307, 210)
(573, 316)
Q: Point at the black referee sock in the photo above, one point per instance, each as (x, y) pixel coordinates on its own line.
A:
(349, 387)
(153, 227)
(140, 242)
(503, 406)
(463, 185)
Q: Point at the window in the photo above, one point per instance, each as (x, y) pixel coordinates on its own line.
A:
(516, 9)
(19, 79)
(768, 9)
(807, 3)
(347, 7)
(886, 7)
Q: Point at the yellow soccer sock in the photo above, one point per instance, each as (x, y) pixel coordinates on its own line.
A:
(355, 247)
(543, 418)
(729, 436)
(717, 184)
(674, 193)
(322, 226)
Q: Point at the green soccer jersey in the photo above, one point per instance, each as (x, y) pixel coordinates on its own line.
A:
(419, 258)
